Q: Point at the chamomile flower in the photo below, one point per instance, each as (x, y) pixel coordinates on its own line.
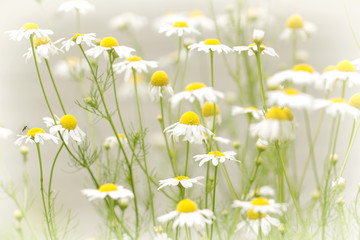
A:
(196, 91)
(43, 49)
(298, 28)
(256, 221)
(337, 107)
(77, 39)
(159, 84)
(208, 113)
(215, 157)
(252, 48)
(260, 205)
(177, 28)
(112, 140)
(198, 19)
(75, 6)
(108, 189)
(189, 127)
(27, 30)
(4, 132)
(213, 45)
(301, 74)
(128, 20)
(108, 44)
(264, 191)
(187, 213)
(278, 125)
(320, 83)
(36, 135)
(67, 126)
(134, 63)
(344, 73)
(169, 18)
(184, 181)
(291, 98)
(250, 111)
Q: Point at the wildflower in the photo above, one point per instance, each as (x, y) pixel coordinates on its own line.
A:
(27, 30)
(109, 44)
(260, 205)
(43, 49)
(112, 140)
(215, 157)
(297, 27)
(189, 127)
(128, 20)
(134, 63)
(208, 113)
(196, 91)
(184, 181)
(258, 38)
(168, 19)
(76, 6)
(159, 84)
(250, 111)
(198, 19)
(337, 107)
(213, 45)
(264, 191)
(67, 126)
(36, 135)
(178, 28)
(187, 213)
(4, 132)
(277, 125)
(290, 97)
(78, 39)
(261, 144)
(108, 189)
(320, 82)
(301, 74)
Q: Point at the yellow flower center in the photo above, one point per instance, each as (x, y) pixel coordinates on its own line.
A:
(159, 79)
(254, 216)
(208, 109)
(194, 86)
(337, 100)
(38, 41)
(180, 178)
(109, 42)
(216, 154)
(355, 100)
(108, 187)
(68, 122)
(185, 206)
(134, 59)
(28, 26)
(180, 25)
(189, 118)
(291, 91)
(279, 114)
(76, 36)
(303, 67)
(329, 68)
(262, 46)
(196, 14)
(121, 136)
(32, 132)
(212, 42)
(345, 66)
(295, 21)
(259, 201)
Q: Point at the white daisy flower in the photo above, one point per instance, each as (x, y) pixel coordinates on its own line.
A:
(291, 98)
(75, 6)
(344, 72)
(112, 140)
(320, 83)
(36, 135)
(67, 126)
(212, 45)
(264, 191)
(208, 113)
(108, 189)
(159, 84)
(252, 48)
(77, 39)
(250, 111)
(161, 236)
(27, 30)
(297, 27)
(337, 107)
(43, 49)
(169, 18)
(222, 140)
(196, 91)
(198, 19)
(255, 221)
(301, 74)
(4, 132)
(189, 127)
(278, 125)
(260, 205)
(178, 28)
(182, 180)
(108, 44)
(128, 20)
(215, 157)
(136, 63)
(187, 213)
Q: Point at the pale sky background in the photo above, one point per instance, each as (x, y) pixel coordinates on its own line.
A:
(22, 103)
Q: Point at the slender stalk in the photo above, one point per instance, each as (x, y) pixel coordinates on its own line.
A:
(213, 203)
(228, 180)
(187, 233)
(177, 62)
(187, 156)
(212, 68)
(258, 63)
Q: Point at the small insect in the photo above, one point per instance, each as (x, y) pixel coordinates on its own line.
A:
(24, 128)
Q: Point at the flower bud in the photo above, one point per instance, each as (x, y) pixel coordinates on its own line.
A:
(258, 161)
(316, 195)
(258, 36)
(261, 144)
(123, 203)
(17, 215)
(107, 145)
(334, 159)
(282, 228)
(236, 144)
(24, 150)
(158, 229)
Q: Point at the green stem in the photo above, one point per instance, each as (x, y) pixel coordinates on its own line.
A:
(177, 62)
(187, 157)
(213, 203)
(212, 69)
(187, 233)
(228, 180)
(258, 63)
